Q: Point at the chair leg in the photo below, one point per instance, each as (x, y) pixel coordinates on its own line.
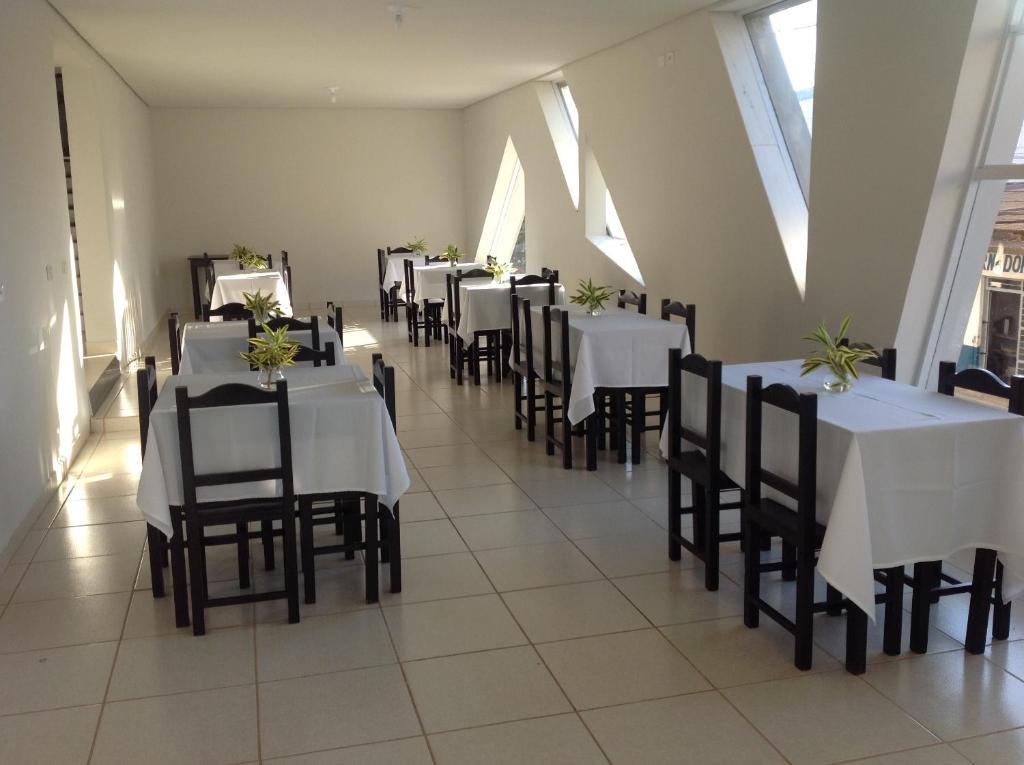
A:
(395, 540)
(789, 562)
(710, 539)
(1001, 610)
(698, 513)
(383, 526)
(197, 574)
(157, 546)
(804, 606)
(517, 381)
(566, 435)
(372, 549)
(590, 426)
(833, 601)
(619, 404)
(267, 532)
(242, 533)
(675, 520)
(549, 423)
(920, 609)
(981, 599)
(291, 567)
(531, 408)
(306, 544)
(856, 640)
(751, 573)
(892, 637)
(474, 358)
(178, 575)
(339, 518)
(639, 417)
(353, 525)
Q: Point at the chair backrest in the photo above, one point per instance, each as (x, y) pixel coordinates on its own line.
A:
(628, 297)
(982, 381)
(805, 407)
(522, 333)
(410, 282)
(234, 395)
(227, 312)
(399, 251)
(145, 384)
(174, 341)
(687, 312)
(334, 319)
(531, 279)
(293, 325)
(270, 260)
(711, 439)
(474, 273)
(557, 370)
(427, 259)
(885, 361)
(286, 272)
(491, 260)
(382, 264)
(384, 382)
(325, 357)
(546, 272)
(452, 304)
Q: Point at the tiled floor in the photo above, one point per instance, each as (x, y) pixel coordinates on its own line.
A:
(541, 622)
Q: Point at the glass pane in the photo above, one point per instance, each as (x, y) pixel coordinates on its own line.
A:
(611, 218)
(570, 107)
(795, 31)
(1018, 154)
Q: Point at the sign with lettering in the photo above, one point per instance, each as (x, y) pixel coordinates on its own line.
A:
(1004, 265)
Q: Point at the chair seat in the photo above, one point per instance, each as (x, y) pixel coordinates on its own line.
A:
(694, 465)
(781, 521)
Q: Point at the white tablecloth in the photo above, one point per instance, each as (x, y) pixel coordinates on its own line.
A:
(618, 349)
(487, 306)
(215, 346)
(229, 289)
(342, 440)
(431, 281)
(904, 475)
(394, 271)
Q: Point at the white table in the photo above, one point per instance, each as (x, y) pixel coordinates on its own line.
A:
(394, 271)
(487, 306)
(230, 289)
(215, 346)
(432, 282)
(342, 440)
(904, 475)
(618, 349)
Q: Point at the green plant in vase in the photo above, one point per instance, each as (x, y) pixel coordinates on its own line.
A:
(270, 352)
(263, 307)
(452, 254)
(592, 297)
(499, 270)
(418, 246)
(839, 359)
(247, 257)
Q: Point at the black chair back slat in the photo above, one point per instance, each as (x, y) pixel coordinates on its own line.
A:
(399, 251)
(174, 341)
(561, 368)
(324, 357)
(382, 264)
(384, 382)
(522, 332)
(427, 259)
(474, 273)
(982, 381)
(628, 297)
(687, 312)
(239, 476)
(533, 279)
(145, 382)
(549, 273)
(227, 312)
(410, 283)
(710, 439)
(293, 325)
(885, 361)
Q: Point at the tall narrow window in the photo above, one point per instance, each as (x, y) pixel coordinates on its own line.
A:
(784, 38)
(506, 214)
(569, 104)
(611, 218)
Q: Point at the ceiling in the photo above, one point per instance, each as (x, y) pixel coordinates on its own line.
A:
(286, 53)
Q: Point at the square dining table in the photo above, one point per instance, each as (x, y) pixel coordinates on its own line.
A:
(231, 288)
(486, 305)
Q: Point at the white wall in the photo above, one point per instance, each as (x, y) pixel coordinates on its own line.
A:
(328, 185)
(44, 407)
(673, 150)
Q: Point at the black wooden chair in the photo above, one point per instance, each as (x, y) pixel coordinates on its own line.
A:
(469, 355)
(199, 515)
(628, 297)
(556, 383)
(524, 372)
(929, 582)
(696, 456)
(174, 341)
(145, 381)
(546, 272)
(358, 511)
(286, 272)
(395, 300)
(884, 362)
(799, 528)
(227, 312)
(551, 280)
(418, 317)
(293, 325)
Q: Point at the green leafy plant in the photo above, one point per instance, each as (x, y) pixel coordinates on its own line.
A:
(248, 257)
(271, 350)
(499, 269)
(452, 254)
(262, 306)
(419, 246)
(840, 359)
(592, 296)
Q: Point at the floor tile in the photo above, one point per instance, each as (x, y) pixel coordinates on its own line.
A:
(440, 456)
(149, 616)
(106, 485)
(463, 476)
(632, 554)
(679, 596)
(482, 688)
(827, 717)
(30, 739)
(525, 527)
(408, 751)
(69, 621)
(941, 754)
(571, 489)
(85, 512)
(1006, 748)
(561, 739)
(639, 481)
(362, 706)
(830, 634)
(728, 653)
(437, 537)
(420, 439)
(434, 421)
(437, 577)
(573, 610)
(207, 727)
(56, 677)
(601, 519)
(954, 694)
(155, 666)
(27, 547)
(323, 644)
(619, 669)
(88, 541)
(74, 577)
(526, 566)
(1006, 654)
(444, 627)
(9, 580)
(480, 500)
(420, 507)
(700, 727)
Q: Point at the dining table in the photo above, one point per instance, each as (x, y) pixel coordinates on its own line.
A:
(231, 288)
(394, 270)
(216, 346)
(486, 305)
(432, 279)
(904, 475)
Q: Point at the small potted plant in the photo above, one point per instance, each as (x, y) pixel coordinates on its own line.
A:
(452, 254)
(262, 307)
(418, 246)
(592, 297)
(270, 352)
(839, 359)
(499, 270)
(248, 258)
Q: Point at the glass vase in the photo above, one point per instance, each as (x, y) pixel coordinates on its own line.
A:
(270, 377)
(838, 383)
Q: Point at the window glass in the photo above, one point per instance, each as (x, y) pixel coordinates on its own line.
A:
(611, 218)
(570, 107)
